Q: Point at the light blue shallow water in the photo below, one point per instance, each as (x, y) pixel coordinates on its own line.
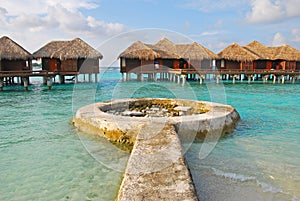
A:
(42, 157)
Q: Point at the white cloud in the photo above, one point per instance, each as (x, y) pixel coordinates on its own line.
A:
(3, 13)
(35, 22)
(272, 10)
(211, 5)
(17, 7)
(278, 39)
(295, 35)
(209, 33)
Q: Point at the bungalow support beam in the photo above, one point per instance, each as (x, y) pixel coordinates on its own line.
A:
(25, 83)
(294, 79)
(265, 79)
(174, 78)
(249, 78)
(201, 79)
(282, 79)
(274, 79)
(218, 79)
(76, 79)
(1, 83)
(183, 79)
(96, 77)
(178, 79)
(155, 77)
(61, 79)
(128, 76)
(139, 77)
(90, 78)
(233, 79)
(49, 83)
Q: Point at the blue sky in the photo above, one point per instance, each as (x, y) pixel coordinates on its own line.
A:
(112, 25)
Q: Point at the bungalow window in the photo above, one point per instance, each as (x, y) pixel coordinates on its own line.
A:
(213, 64)
(123, 62)
(222, 63)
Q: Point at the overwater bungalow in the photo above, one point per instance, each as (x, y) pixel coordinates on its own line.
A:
(236, 57)
(286, 57)
(13, 57)
(164, 56)
(140, 57)
(15, 61)
(189, 56)
(69, 57)
(265, 53)
(283, 57)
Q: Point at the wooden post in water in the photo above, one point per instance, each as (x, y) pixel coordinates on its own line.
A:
(282, 79)
(183, 79)
(61, 79)
(96, 77)
(249, 79)
(1, 83)
(233, 79)
(128, 76)
(293, 79)
(201, 79)
(178, 79)
(274, 79)
(218, 79)
(142, 77)
(76, 79)
(49, 82)
(25, 82)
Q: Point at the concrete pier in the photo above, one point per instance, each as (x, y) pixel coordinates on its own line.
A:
(156, 169)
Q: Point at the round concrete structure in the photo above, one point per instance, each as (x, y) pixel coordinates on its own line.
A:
(160, 130)
(198, 119)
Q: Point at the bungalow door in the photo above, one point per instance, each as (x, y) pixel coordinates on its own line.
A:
(52, 65)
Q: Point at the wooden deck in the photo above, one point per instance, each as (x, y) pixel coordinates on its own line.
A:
(235, 72)
(32, 73)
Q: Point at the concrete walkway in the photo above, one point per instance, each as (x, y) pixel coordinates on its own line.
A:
(156, 169)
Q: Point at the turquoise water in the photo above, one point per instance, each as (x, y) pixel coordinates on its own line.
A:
(42, 156)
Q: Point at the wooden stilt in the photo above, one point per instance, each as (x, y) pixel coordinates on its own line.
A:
(96, 77)
(1, 83)
(49, 83)
(25, 82)
(183, 79)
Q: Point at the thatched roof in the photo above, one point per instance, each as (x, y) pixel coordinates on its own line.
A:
(286, 52)
(49, 49)
(164, 53)
(11, 50)
(73, 49)
(139, 50)
(195, 51)
(166, 44)
(235, 52)
(165, 49)
(260, 49)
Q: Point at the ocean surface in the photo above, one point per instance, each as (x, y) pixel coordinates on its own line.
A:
(43, 157)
